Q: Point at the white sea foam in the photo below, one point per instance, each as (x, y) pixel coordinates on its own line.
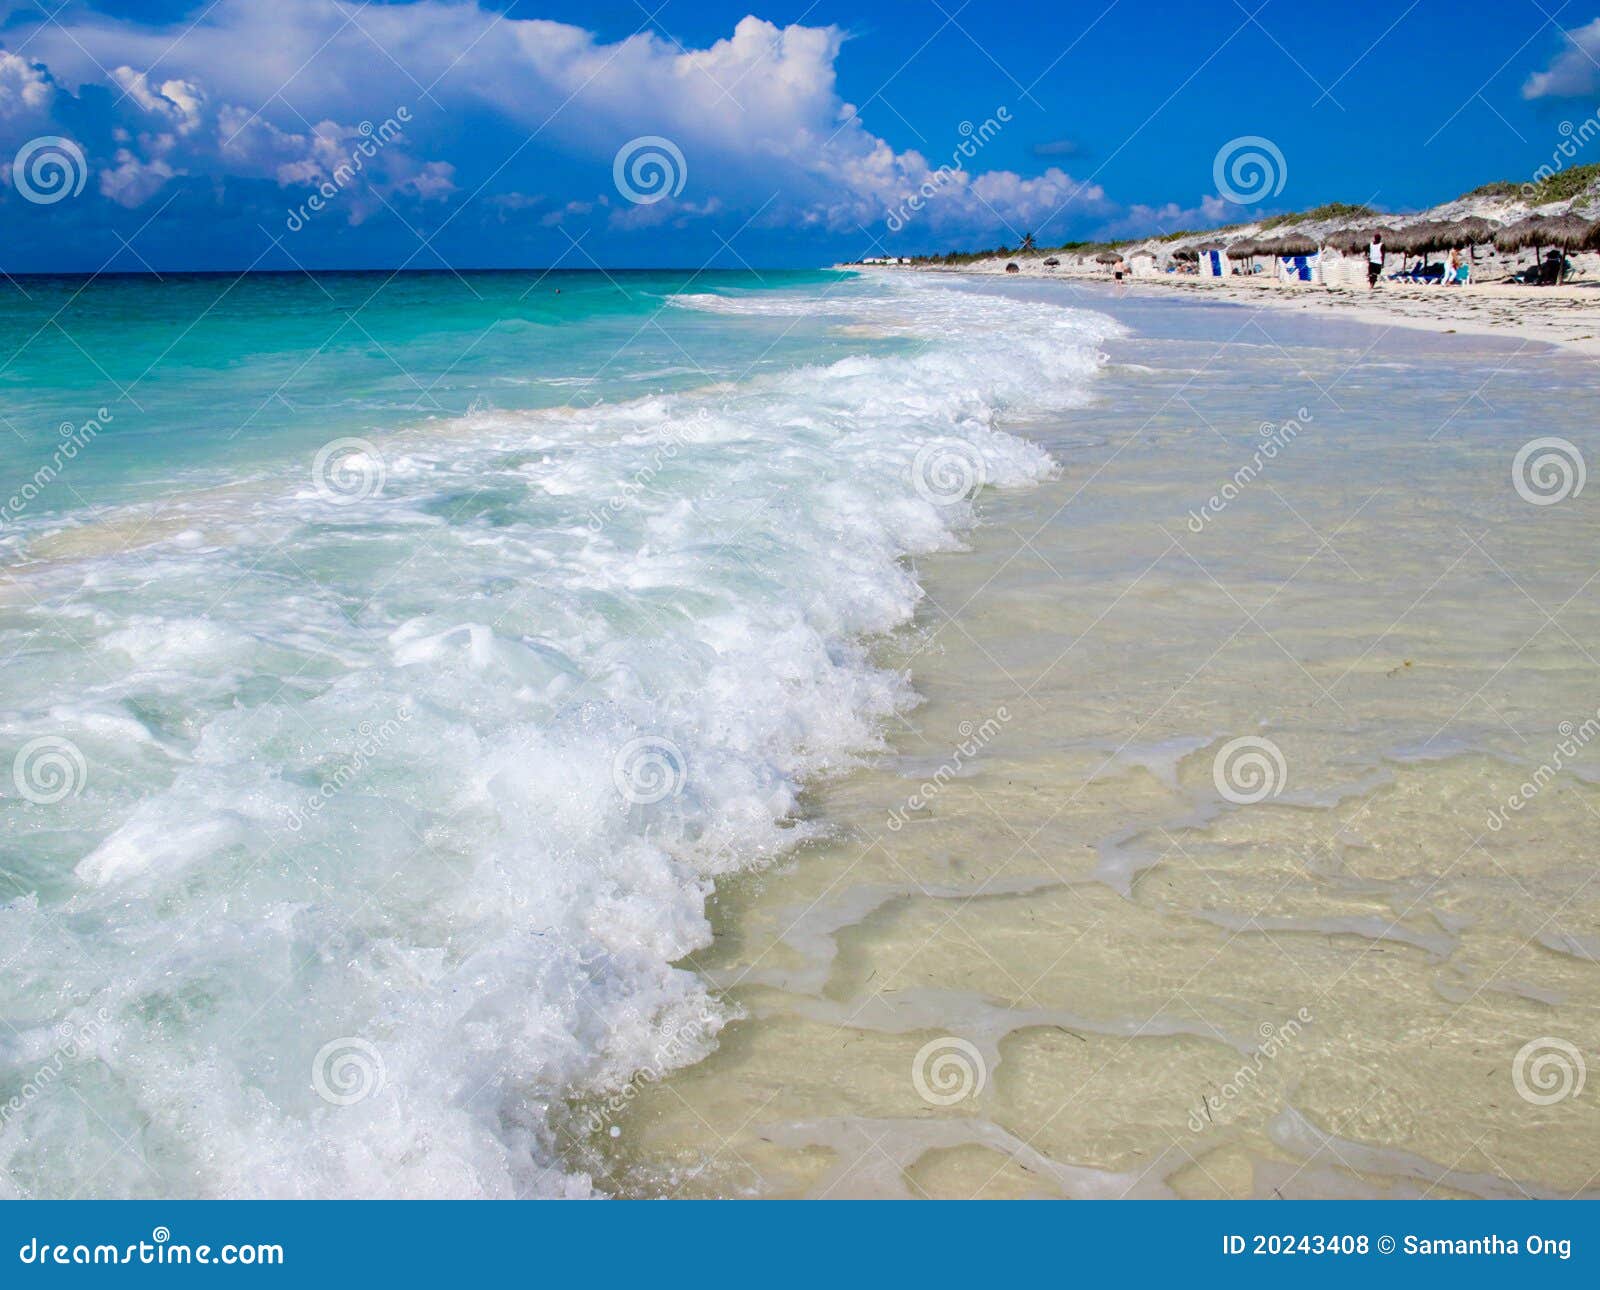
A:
(451, 771)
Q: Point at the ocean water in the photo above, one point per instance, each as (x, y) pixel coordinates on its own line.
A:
(394, 666)
(1243, 841)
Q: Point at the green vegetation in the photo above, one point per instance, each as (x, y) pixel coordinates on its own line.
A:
(1329, 210)
(1560, 186)
(1499, 188)
(1565, 184)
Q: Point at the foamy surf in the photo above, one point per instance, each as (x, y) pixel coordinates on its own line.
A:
(397, 803)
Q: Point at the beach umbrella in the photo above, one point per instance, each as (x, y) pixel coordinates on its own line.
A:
(1186, 253)
(1289, 244)
(1425, 236)
(1354, 240)
(1108, 257)
(1347, 240)
(1569, 231)
(1539, 231)
(1525, 232)
(1243, 249)
(1474, 231)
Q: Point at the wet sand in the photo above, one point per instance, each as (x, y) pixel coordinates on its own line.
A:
(1194, 874)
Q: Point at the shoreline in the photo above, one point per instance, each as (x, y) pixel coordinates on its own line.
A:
(1072, 926)
(1567, 317)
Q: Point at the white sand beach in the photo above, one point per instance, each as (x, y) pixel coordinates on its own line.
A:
(1566, 315)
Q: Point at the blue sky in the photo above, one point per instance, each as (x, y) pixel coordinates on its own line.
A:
(307, 132)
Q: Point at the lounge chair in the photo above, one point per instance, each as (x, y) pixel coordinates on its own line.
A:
(1546, 273)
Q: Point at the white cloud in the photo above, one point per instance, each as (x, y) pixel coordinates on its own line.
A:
(757, 115)
(1574, 72)
(132, 182)
(25, 89)
(1144, 221)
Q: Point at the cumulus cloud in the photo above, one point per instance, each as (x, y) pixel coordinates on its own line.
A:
(1574, 72)
(283, 93)
(1145, 221)
(25, 88)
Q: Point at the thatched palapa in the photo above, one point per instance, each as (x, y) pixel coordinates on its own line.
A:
(1351, 241)
(1474, 230)
(1566, 231)
(1288, 244)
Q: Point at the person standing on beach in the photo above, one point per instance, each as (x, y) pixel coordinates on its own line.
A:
(1374, 261)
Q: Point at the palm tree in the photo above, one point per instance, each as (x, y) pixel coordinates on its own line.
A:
(1027, 242)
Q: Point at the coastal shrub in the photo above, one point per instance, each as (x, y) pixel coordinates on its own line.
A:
(1563, 185)
(1327, 211)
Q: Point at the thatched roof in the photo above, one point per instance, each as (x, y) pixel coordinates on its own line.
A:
(1352, 240)
(1288, 244)
(1569, 232)
(1423, 237)
(1566, 231)
(1474, 230)
(1186, 253)
(1108, 257)
(1243, 249)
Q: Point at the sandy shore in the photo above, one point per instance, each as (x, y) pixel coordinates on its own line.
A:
(1568, 316)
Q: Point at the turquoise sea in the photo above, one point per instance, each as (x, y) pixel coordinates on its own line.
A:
(393, 664)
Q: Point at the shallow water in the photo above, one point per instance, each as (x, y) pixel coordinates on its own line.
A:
(1072, 937)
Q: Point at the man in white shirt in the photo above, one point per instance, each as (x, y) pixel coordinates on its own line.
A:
(1374, 261)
